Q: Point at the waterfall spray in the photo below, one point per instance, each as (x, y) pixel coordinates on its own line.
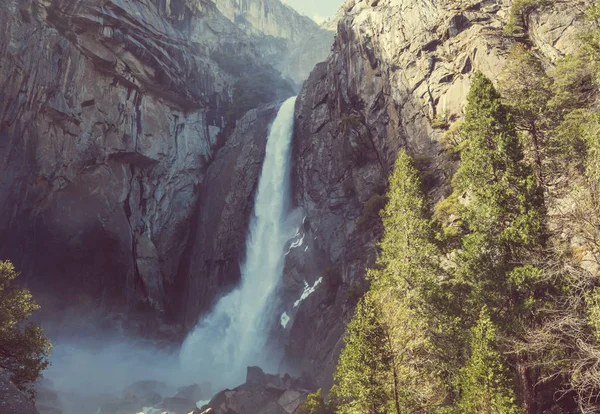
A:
(234, 335)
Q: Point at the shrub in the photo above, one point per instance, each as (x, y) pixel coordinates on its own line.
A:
(314, 404)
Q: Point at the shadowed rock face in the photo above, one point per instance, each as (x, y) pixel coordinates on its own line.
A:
(13, 401)
(111, 112)
(398, 69)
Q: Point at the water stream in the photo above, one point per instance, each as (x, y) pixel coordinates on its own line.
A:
(234, 335)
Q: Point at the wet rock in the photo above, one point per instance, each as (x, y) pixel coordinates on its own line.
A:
(195, 392)
(261, 394)
(224, 208)
(256, 378)
(147, 392)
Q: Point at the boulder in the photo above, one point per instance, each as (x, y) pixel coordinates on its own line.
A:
(261, 394)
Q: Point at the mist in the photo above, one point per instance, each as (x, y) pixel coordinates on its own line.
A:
(92, 367)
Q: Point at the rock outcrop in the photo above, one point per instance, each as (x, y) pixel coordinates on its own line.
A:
(398, 76)
(111, 113)
(261, 394)
(12, 400)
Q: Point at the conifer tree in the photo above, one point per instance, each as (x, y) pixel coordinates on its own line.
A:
(500, 203)
(363, 371)
(527, 90)
(485, 386)
(396, 320)
(314, 404)
(502, 210)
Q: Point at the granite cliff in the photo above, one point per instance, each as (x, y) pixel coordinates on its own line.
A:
(112, 115)
(398, 76)
(289, 41)
(128, 164)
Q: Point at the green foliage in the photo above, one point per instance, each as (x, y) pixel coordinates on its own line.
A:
(447, 213)
(519, 11)
(527, 90)
(406, 245)
(503, 211)
(578, 142)
(500, 266)
(24, 349)
(439, 123)
(504, 198)
(314, 404)
(390, 362)
(591, 48)
(593, 310)
(485, 384)
(452, 139)
(363, 370)
(572, 81)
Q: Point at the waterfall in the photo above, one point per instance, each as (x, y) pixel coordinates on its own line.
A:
(234, 335)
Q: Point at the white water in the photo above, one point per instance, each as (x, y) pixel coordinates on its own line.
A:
(234, 335)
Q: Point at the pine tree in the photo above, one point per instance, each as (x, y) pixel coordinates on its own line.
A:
(363, 370)
(392, 320)
(501, 203)
(314, 404)
(485, 386)
(526, 88)
(501, 207)
(407, 284)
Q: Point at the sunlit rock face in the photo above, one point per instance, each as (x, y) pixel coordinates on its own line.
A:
(267, 17)
(111, 113)
(399, 72)
(291, 42)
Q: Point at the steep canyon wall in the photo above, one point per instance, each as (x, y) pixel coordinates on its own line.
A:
(397, 77)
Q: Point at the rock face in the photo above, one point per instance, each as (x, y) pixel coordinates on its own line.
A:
(289, 41)
(398, 75)
(111, 113)
(267, 17)
(13, 401)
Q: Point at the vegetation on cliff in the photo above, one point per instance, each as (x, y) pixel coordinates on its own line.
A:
(24, 349)
(490, 302)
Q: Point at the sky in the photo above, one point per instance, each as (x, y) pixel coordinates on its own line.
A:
(319, 10)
